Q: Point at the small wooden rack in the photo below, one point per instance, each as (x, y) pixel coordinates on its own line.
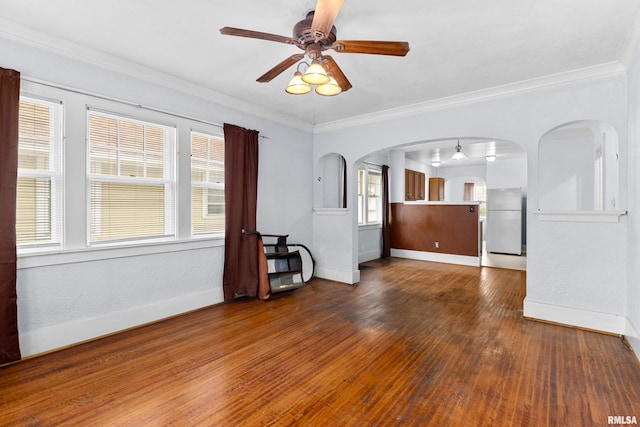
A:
(284, 270)
(284, 266)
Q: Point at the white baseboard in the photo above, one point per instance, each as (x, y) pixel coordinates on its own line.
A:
(633, 337)
(368, 256)
(349, 277)
(473, 261)
(58, 336)
(603, 322)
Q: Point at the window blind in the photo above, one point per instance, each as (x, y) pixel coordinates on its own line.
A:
(38, 199)
(374, 196)
(131, 179)
(207, 183)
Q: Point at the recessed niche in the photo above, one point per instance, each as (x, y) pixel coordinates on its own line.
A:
(332, 181)
(578, 168)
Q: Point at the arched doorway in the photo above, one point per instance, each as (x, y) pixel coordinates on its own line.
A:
(489, 163)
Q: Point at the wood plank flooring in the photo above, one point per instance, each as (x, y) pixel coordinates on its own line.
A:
(413, 344)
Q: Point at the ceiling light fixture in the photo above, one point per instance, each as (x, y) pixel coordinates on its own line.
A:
(491, 157)
(458, 155)
(435, 163)
(297, 86)
(331, 88)
(315, 74)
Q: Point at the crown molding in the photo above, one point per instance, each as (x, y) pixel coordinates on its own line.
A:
(632, 44)
(561, 79)
(14, 31)
(17, 32)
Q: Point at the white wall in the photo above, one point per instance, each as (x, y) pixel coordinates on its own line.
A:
(454, 187)
(75, 295)
(508, 173)
(575, 270)
(397, 164)
(420, 167)
(566, 163)
(633, 246)
(456, 177)
(369, 243)
(66, 303)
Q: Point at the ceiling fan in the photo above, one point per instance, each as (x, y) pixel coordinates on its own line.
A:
(314, 35)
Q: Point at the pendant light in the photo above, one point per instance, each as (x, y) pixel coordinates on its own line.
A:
(458, 155)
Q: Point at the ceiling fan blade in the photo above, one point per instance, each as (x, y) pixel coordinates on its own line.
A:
(337, 73)
(280, 68)
(324, 16)
(371, 47)
(230, 31)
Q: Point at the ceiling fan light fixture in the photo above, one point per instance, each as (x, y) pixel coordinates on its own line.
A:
(315, 74)
(297, 86)
(329, 89)
(458, 155)
(313, 35)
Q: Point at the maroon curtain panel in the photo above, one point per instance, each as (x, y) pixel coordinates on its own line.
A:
(241, 266)
(9, 105)
(386, 220)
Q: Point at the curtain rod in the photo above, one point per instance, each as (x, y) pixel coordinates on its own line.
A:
(371, 164)
(120, 101)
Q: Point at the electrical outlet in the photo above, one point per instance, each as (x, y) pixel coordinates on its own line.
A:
(437, 245)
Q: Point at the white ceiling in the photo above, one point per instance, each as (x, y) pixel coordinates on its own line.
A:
(457, 46)
(475, 151)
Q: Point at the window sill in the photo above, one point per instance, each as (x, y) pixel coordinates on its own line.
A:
(365, 227)
(580, 216)
(69, 256)
(330, 211)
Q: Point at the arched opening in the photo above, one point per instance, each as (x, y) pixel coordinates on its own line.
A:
(578, 168)
(488, 164)
(332, 180)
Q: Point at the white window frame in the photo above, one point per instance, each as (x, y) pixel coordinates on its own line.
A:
(72, 206)
(205, 201)
(363, 188)
(168, 181)
(206, 185)
(480, 196)
(55, 175)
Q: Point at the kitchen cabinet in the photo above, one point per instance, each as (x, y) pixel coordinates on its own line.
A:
(436, 189)
(414, 185)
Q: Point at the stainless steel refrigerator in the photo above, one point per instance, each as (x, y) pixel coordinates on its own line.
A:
(504, 221)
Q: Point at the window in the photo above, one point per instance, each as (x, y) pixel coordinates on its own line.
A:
(369, 195)
(469, 192)
(207, 183)
(39, 185)
(480, 195)
(131, 179)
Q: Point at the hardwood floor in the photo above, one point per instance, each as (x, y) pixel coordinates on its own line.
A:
(414, 344)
